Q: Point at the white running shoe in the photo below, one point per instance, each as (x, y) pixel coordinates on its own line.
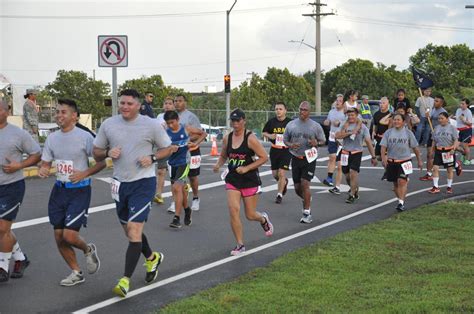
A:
(307, 218)
(73, 279)
(171, 209)
(195, 204)
(92, 259)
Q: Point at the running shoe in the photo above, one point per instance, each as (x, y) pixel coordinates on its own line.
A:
(449, 190)
(76, 277)
(20, 267)
(122, 287)
(458, 167)
(4, 276)
(328, 181)
(239, 249)
(171, 209)
(351, 199)
(195, 204)
(152, 266)
(466, 162)
(278, 199)
(384, 177)
(400, 207)
(335, 190)
(463, 158)
(356, 195)
(434, 190)
(285, 189)
(307, 218)
(426, 177)
(175, 223)
(187, 216)
(92, 259)
(267, 226)
(158, 199)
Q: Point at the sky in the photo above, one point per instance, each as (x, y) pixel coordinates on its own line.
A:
(184, 41)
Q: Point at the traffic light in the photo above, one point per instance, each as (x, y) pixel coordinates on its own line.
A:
(227, 83)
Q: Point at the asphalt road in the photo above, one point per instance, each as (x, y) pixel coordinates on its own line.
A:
(196, 257)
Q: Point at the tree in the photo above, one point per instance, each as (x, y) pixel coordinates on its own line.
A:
(87, 92)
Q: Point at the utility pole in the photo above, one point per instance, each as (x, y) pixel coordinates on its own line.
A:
(317, 16)
(227, 94)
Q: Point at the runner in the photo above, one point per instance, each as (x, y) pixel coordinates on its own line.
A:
(396, 158)
(464, 125)
(179, 162)
(188, 118)
(15, 143)
(302, 136)
(70, 198)
(280, 157)
(335, 119)
(350, 156)
(241, 177)
(162, 165)
(445, 143)
(133, 185)
(379, 126)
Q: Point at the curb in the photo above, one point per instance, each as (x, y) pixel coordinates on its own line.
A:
(32, 172)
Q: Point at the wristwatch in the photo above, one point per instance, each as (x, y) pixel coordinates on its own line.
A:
(153, 158)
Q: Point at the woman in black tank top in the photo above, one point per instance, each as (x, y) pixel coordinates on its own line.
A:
(242, 180)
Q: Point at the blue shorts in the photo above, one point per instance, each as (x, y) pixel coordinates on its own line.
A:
(68, 208)
(11, 196)
(465, 136)
(135, 200)
(332, 147)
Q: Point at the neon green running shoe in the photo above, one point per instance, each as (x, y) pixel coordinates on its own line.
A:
(121, 289)
(152, 266)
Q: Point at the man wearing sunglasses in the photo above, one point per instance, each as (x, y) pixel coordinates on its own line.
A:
(146, 108)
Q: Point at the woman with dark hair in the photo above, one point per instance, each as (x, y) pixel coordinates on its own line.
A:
(350, 99)
(401, 99)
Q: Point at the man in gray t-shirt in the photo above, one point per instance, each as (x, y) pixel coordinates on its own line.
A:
(302, 136)
(69, 201)
(350, 156)
(186, 117)
(335, 120)
(14, 143)
(134, 183)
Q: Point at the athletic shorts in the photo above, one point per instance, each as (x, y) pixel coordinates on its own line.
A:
(135, 200)
(378, 148)
(280, 158)
(245, 192)
(302, 169)
(353, 162)
(11, 197)
(395, 171)
(429, 142)
(179, 174)
(68, 208)
(332, 147)
(438, 159)
(197, 171)
(465, 136)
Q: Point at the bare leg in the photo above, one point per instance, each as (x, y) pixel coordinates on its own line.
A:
(233, 201)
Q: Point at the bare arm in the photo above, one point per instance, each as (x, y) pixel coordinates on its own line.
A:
(14, 166)
(269, 136)
(223, 156)
(81, 175)
(416, 150)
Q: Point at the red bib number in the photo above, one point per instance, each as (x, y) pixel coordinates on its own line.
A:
(64, 168)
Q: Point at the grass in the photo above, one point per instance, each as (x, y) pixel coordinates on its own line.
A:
(419, 261)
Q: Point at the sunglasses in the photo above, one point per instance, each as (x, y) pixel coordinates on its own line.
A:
(304, 109)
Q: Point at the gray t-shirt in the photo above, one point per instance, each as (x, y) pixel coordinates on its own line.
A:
(336, 115)
(137, 139)
(428, 103)
(435, 114)
(14, 143)
(356, 144)
(75, 146)
(398, 143)
(445, 136)
(186, 117)
(298, 131)
(467, 115)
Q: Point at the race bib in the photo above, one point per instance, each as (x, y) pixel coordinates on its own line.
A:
(311, 154)
(447, 158)
(279, 140)
(332, 136)
(224, 173)
(407, 167)
(64, 168)
(344, 159)
(195, 162)
(114, 188)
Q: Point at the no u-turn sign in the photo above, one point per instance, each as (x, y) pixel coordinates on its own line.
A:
(113, 51)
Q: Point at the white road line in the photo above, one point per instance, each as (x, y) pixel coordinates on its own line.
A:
(226, 260)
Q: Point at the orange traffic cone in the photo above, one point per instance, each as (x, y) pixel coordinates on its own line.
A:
(214, 151)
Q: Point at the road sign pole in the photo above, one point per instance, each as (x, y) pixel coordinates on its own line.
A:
(114, 91)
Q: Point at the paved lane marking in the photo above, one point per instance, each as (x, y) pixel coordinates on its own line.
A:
(226, 260)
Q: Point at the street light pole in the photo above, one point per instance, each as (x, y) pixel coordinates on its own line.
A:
(227, 95)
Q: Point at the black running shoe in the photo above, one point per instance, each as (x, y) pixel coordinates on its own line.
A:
(4, 275)
(175, 223)
(187, 216)
(400, 207)
(384, 177)
(19, 268)
(278, 199)
(350, 200)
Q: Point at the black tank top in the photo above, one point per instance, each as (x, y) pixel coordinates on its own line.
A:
(241, 156)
